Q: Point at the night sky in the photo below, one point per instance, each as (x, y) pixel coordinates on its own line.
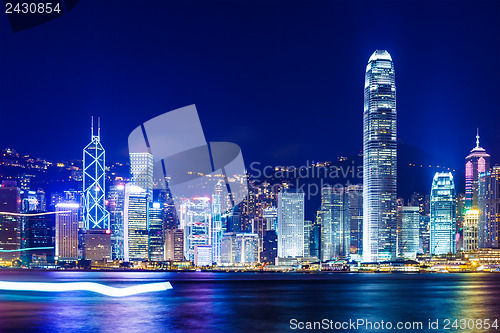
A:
(282, 79)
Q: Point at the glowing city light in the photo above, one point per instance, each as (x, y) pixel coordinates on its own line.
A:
(29, 249)
(85, 286)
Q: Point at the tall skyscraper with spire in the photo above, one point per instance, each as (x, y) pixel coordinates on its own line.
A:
(478, 161)
(94, 214)
(379, 159)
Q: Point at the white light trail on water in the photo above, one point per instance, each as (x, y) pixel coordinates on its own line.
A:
(86, 286)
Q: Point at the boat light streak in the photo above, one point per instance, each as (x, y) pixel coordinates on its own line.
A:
(86, 286)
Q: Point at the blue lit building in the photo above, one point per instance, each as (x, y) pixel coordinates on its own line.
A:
(379, 159)
(443, 214)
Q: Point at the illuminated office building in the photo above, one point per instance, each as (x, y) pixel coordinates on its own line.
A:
(379, 159)
(489, 208)
(195, 219)
(478, 161)
(443, 214)
(216, 228)
(307, 237)
(203, 255)
(136, 224)
(270, 215)
(228, 248)
(269, 248)
(116, 208)
(354, 219)
(156, 245)
(247, 248)
(38, 232)
(94, 188)
(410, 225)
(471, 230)
(174, 245)
(67, 231)
(291, 223)
(97, 245)
(141, 168)
(10, 225)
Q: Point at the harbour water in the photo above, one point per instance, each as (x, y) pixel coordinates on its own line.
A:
(253, 302)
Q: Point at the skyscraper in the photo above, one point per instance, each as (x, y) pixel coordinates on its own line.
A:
(291, 224)
(195, 219)
(216, 227)
(443, 214)
(67, 231)
(141, 168)
(471, 228)
(379, 159)
(10, 223)
(489, 208)
(332, 221)
(354, 217)
(410, 223)
(174, 245)
(116, 208)
(156, 247)
(477, 161)
(94, 194)
(136, 223)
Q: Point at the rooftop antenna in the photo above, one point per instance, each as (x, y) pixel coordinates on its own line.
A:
(477, 138)
(92, 126)
(99, 127)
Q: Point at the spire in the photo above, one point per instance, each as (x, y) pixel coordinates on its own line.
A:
(477, 138)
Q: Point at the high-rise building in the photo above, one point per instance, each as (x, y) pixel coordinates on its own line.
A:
(471, 229)
(307, 237)
(443, 214)
(38, 232)
(203, 255)
(216, 227)
(94, 187)
(354, 219)
(489, 208)
(460, 200)
(156, 247)
(332, 221)
(270, 215)
(10, 223)
(410, 223)
(477, 161)
(195, 219)
(228, 248)
(269, 248)
(136, 223)
(42, 203)
(379, 159)
(247, 248)
(174, 245)
(97, 244)
(291, 223)
(67, 231)
(141, 168)
(116, 208)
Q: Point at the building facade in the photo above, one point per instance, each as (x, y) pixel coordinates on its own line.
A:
(291, 224)
(478, 161)
(443, 214)
(379, 159)
(67, 231)
(489, 208)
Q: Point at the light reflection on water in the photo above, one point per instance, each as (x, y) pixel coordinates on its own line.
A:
(246, 302)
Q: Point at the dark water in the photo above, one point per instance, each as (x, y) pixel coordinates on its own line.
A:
(251, 302)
